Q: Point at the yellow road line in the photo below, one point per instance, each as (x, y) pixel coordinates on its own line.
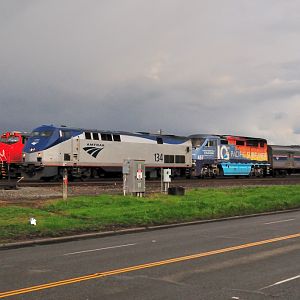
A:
(143, 266)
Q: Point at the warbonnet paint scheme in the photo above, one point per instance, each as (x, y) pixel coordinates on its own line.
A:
(86, 152)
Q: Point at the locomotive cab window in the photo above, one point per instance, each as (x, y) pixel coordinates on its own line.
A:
(10, 140)
(197, 142)
(65, 135)
(210, 143)
(240, 143)
(46, 133)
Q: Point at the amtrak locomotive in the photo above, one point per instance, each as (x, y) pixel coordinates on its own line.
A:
(86, 153)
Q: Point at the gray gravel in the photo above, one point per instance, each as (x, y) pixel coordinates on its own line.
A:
(43, 193)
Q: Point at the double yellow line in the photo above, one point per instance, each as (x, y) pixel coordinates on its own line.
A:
(143, 266)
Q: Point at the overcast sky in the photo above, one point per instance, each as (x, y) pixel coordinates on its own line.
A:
(183, 66)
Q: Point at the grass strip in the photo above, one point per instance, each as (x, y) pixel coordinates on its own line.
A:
(107, 212)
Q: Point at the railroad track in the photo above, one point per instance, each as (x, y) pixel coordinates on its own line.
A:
(294, 179)
(34, 193)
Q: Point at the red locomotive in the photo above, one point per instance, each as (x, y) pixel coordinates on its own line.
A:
(11, 146)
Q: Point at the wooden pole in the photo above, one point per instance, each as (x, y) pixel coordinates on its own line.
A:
(65, 184)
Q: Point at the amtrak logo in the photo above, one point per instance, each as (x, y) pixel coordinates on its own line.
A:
(94, 151)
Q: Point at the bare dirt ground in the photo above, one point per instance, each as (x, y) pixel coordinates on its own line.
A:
(33, 195)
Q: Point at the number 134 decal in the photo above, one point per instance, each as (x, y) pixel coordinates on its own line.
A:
(158, 157)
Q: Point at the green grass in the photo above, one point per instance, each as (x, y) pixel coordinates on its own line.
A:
(107, 212)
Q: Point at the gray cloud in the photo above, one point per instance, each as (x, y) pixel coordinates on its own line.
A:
(181, 66)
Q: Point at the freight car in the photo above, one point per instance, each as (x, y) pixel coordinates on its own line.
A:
(226, 155)
(88, 153)
(284, 160)
(11, 146)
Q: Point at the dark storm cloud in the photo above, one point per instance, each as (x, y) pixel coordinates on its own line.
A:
(180, 66)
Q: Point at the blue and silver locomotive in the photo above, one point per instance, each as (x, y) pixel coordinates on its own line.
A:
(85, 152)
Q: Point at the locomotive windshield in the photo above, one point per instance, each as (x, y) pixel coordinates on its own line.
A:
(197, 142)
(45, 133)
(10, 140)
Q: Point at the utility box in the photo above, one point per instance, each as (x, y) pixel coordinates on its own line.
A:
(165, 179)
(134, 177)
(167, 175)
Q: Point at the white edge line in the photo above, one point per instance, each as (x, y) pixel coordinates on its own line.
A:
(280, 282)
(99, 249)
(281, 221)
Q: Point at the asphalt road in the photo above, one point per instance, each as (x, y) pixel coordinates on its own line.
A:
(253, 258)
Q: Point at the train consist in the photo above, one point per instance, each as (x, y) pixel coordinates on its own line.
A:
(95, 153)
(11, 147)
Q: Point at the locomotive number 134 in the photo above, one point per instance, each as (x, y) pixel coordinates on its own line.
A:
(158, 157)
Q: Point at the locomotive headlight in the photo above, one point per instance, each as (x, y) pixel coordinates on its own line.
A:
(39, 154)
(24, 155)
